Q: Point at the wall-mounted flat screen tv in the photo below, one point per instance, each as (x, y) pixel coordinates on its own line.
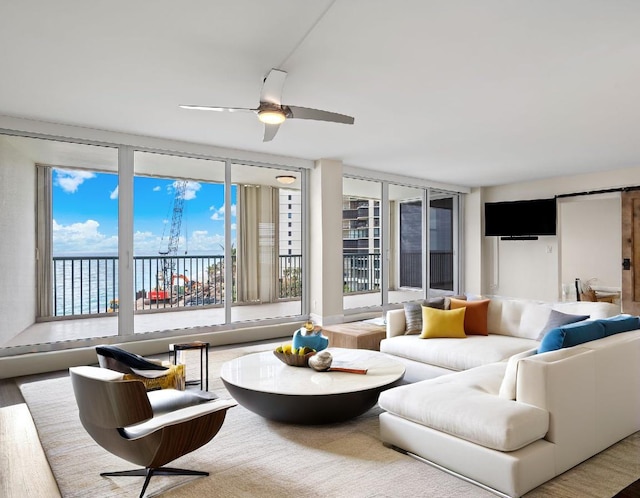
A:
(520, 218)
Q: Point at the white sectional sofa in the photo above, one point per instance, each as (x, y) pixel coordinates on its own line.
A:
(558, 408)
(513, 325)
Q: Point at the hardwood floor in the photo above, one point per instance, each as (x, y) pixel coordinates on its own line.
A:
(24, 470)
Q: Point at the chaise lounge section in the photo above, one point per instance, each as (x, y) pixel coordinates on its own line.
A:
(512, 425)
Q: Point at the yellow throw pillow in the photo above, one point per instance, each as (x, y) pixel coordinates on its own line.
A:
(442, 323)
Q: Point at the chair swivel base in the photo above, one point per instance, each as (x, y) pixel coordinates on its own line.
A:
(149, 473)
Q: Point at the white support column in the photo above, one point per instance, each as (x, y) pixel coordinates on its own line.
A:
(125, 241)
(385, 248)
(426, 244)
(325, 239)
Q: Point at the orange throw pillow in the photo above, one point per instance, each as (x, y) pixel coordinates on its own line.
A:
(475, 316)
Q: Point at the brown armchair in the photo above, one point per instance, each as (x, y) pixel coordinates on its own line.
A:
(149, 429)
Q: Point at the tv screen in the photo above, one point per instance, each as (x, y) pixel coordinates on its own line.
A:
(520, 218)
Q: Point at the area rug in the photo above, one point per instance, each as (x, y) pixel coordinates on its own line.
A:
(254, 457)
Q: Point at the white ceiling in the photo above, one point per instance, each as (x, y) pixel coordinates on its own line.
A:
(466, 92)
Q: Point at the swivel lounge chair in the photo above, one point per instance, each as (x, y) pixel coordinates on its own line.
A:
(149, 429)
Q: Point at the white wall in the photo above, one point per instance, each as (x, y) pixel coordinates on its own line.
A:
(523, 268)
(17, 242)
(591, 240)
(534, 269)
(473, 241)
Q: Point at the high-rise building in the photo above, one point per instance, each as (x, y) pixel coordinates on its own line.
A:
(361, 243)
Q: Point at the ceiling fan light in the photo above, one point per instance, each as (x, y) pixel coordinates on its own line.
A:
(286, 179)
(271, 116)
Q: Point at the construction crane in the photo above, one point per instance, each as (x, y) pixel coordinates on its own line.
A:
(176, 219)
(165, 277)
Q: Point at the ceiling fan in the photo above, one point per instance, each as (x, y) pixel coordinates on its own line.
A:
(272, 112)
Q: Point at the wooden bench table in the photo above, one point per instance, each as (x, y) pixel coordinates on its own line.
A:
(355, 335)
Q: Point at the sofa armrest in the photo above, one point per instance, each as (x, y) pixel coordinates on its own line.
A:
(396, 324)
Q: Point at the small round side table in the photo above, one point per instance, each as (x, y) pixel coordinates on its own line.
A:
(175, 355)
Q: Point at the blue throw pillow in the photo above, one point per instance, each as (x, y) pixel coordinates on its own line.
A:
(619, 323)
(571, 335)
(552, 340)
(581, 332)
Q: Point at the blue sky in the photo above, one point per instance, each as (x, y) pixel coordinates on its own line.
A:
(85, 215)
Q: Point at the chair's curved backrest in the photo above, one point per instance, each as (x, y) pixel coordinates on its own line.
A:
(106, 401)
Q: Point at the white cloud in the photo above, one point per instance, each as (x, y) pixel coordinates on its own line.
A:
(70, 180)
(218, 213)
(157, 188)
(190, 190)
(83, 237)
(114, 194)
(146, 243)
(201, 241)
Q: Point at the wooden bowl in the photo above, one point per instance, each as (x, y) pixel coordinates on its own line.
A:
(294, 360)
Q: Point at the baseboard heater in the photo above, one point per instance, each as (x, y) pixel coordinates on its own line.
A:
(528, 237)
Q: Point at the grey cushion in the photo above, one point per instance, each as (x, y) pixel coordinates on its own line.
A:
(413, 313)
(169, 400)
(558, 319)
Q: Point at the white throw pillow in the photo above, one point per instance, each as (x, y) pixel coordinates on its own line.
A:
(508, 386)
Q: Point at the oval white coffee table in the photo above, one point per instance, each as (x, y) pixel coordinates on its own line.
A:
(263, 384)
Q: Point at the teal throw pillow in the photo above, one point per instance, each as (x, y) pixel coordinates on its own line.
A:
(552, 340)
(571, 335)
(581, 332)
(619, 323)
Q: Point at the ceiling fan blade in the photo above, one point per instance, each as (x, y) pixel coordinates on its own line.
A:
(270, 131)
(306, 113)
(272, 87)
(214, 108)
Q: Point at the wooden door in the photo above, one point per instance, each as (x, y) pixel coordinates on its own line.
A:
(631, 252)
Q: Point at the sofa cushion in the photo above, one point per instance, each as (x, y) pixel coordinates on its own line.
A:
(619, 323)
(474, 351)
(413, 313)
(508, 385)
(465, 405)
(571, 335)
(534, 318)
(475, 316)
(442, 323)
(517, 318)
(558, 319)
(168, 400)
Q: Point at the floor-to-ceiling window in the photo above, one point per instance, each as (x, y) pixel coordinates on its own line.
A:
(268, 245)
(60, 236)
(72, 211)
(406, 236)
(361, 250)
(179, 216)
(443, 242)
(406, 243)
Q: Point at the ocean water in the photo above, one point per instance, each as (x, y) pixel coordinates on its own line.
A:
(87, 285)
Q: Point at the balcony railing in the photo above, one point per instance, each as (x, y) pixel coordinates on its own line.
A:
(88, 285)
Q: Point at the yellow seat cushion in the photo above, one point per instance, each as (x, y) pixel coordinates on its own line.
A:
(442, 323)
